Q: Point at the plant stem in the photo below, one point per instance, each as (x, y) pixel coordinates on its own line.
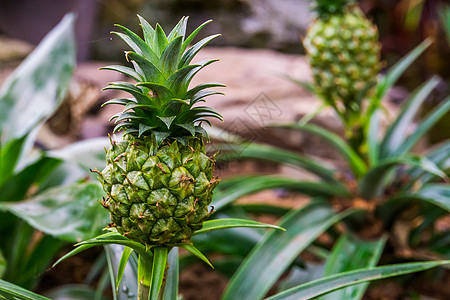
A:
(143, 291)
(145, 266)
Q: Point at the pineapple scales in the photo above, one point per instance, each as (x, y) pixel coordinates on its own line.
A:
(344, 53)
(159, 180)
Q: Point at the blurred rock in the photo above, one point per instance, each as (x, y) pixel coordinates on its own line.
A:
(12, 50)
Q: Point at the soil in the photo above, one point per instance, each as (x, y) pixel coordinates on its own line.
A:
(199, 282)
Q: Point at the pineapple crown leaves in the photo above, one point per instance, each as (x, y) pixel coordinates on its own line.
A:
(325, 8)
(162, 102)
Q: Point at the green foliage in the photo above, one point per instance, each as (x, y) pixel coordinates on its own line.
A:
(27, 98)
(278, 250)
(163, 104)
(11, 291)
(335, 282)
(351, 253)
(385, 177)
(31, 195)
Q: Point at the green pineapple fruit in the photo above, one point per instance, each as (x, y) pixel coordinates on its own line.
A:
(159, 180)
(344, 53)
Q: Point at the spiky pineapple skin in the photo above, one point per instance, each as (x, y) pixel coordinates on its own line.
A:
(344, 54)
(158, 195)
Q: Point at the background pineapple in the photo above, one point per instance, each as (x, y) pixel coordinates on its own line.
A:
(344, 53)
(159, 180)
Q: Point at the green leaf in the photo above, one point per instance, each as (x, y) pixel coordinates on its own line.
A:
(3, 264)
(124, 70)
(170, 56)
(136, 92)
(180, 80)
(158, 270)
(431, 119)
(74, 292)
(396, 133)
(18, 185)
(191, 37)
(350, 253)
(197, 253)
(372, 184)
(137, 44)
(12, 291)
(263, 208)
(86, 154)
(36, 88)
(167, 120)
(235, 241)
(122, 264)
(163, 94)
(355, 162)
(274, 154)
(397, 70)
(9, 157)
(189, 127)
(435, 193)
(36, 259)
(177, 81)
(200, 96)
(150, 70)
(70, 212)
(334, 282)
(118, 240)
(161, 41)
(373, 144)
(232, 241)
(251, 185)
(83, 247)
(171, 288)
(144, 128)
(160, 136)
(218, 224)
(129, 284)
(190, 94)
(274, 254)
(110, 238)
(439, 156)
(147, 29)
(178, 30)
(190, 54)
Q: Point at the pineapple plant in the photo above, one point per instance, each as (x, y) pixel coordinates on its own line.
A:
(344, 54)
(159, 180)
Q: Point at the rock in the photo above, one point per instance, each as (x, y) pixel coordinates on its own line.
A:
(12, 50)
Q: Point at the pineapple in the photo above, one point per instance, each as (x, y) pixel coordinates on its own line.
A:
(159, 180)
(344, 53)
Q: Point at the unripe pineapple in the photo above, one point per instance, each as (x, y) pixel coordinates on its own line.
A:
(159, 180)
(344, 53)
